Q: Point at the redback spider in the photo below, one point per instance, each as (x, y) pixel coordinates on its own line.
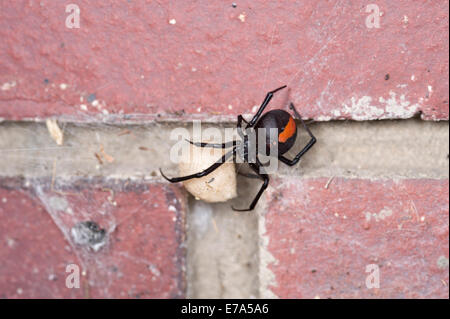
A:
(280, 120)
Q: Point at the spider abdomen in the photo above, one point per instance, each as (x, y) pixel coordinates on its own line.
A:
(286, 130)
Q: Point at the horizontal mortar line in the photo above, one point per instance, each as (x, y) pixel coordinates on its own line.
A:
(145, 176)
(133, 119)
(160, 180)
(384, 149)
(101, 119)
(19, 149)
(377, 177)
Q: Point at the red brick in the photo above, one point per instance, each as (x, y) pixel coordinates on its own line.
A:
(143, 255)
(322, 239)
(33, 252)
(136, 62)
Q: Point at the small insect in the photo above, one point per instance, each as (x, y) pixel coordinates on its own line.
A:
(275, 119)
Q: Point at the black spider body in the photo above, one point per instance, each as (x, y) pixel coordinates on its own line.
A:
(283, 122)
(282, 138)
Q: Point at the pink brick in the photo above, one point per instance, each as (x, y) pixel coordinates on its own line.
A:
(143, 254)
(323, 239)
(131, 59)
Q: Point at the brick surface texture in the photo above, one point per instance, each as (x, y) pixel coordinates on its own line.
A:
(324, 238)
(140, 60)
(142, 255)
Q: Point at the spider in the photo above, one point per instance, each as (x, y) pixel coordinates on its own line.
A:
(275, 119)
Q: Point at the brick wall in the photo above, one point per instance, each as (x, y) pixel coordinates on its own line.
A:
(370, 195)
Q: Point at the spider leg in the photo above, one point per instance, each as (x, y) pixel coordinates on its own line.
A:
(213, 145)
(240, 119)
(265, 178)
(205, 172)
(263, 106)
(305, 149)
